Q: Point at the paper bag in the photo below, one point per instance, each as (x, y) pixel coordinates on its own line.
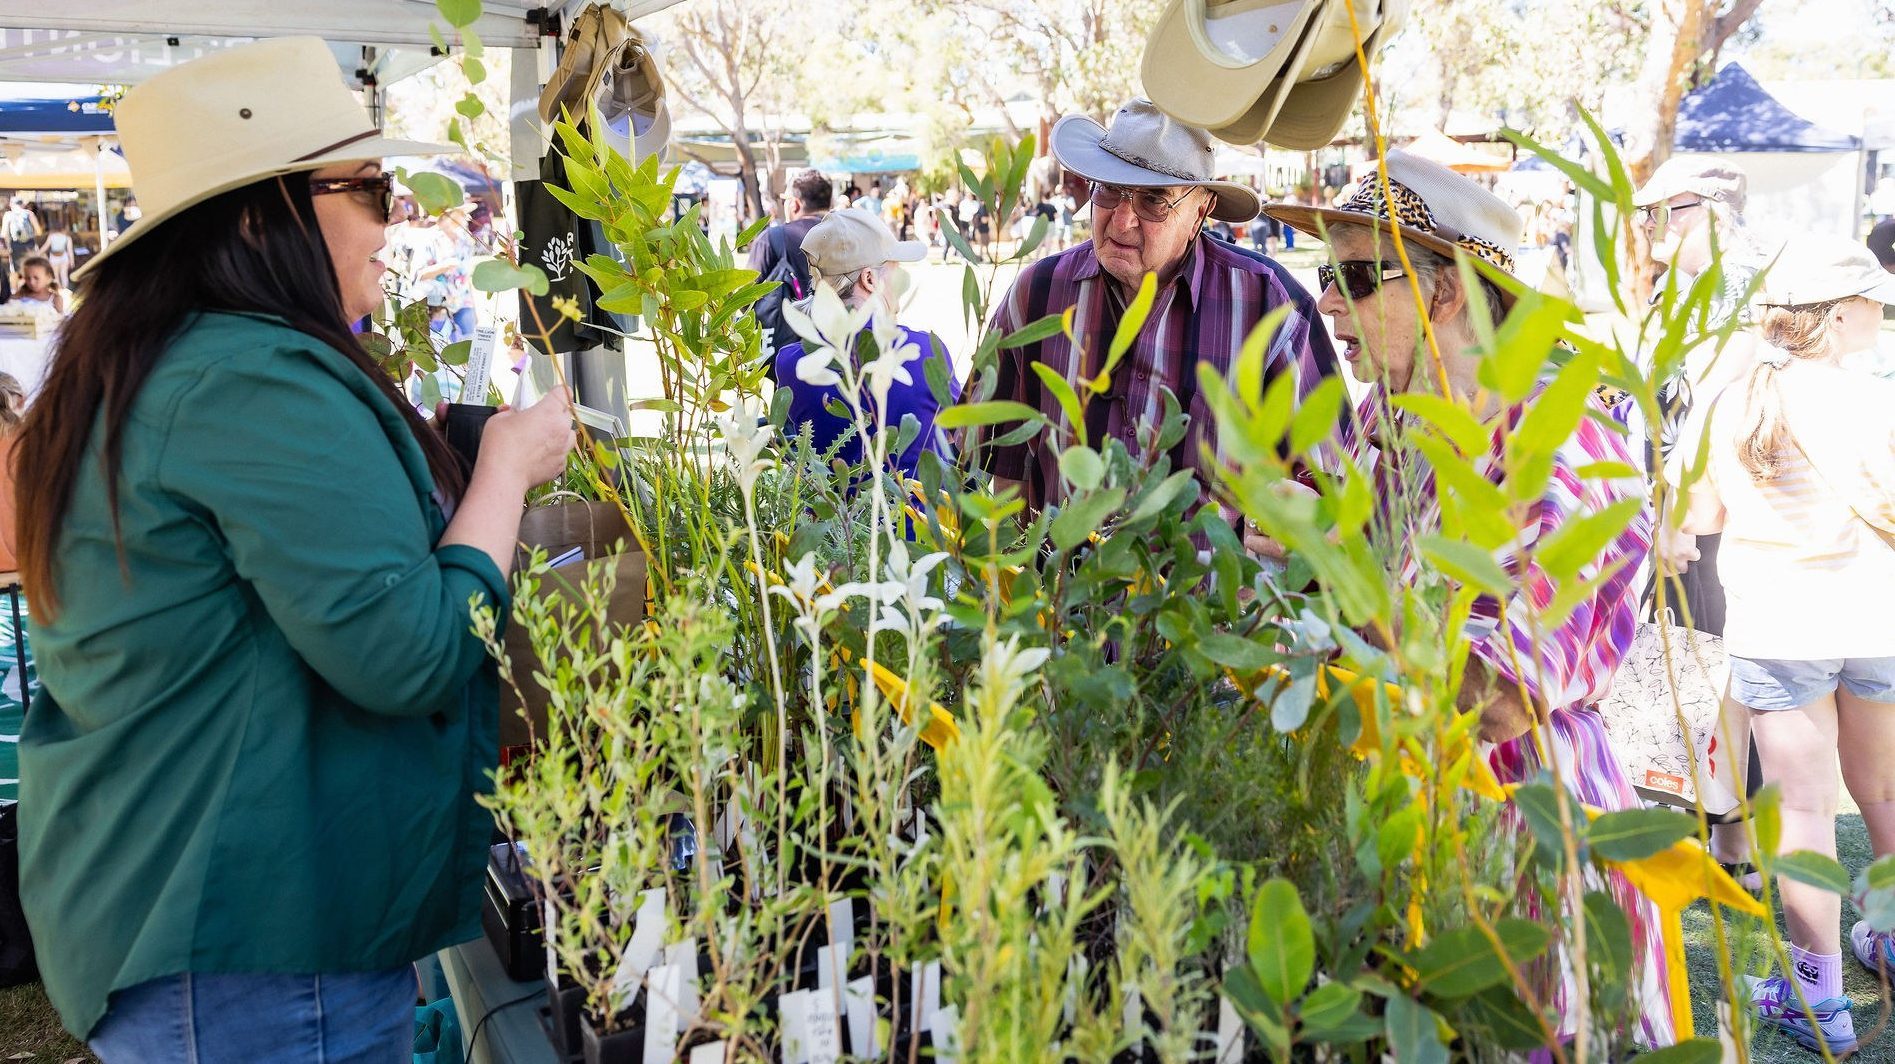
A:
(1642, 719)
(600, 530)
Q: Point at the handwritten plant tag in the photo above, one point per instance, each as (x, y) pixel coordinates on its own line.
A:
(824, 1029)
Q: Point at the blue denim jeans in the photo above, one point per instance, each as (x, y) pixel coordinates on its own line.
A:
(253, 1018)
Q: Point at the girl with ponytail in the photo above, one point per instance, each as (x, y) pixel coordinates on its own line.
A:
(1800, 479)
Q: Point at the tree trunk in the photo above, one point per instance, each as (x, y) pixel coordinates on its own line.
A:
(747, 172)
(1682, 33)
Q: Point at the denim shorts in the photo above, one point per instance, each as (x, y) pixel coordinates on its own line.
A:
(1769, 684)
(200, 1018)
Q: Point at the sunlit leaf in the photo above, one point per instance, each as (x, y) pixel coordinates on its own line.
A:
(1281, 944)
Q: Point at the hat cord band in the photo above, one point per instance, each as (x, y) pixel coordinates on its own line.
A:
(1149, 164)
(345, 142)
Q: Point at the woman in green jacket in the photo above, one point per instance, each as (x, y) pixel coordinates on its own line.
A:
(247, 796)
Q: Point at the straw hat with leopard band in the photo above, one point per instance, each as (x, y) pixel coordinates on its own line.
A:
(1434, 207)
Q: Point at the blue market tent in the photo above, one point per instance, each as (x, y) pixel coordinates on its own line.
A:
(82, 114)
(1732, 113)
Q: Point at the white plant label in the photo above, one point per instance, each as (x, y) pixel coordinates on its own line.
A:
(947, 1035)
(824, 1030)
(549, 934)
(713, 1053)
(648, 935)
(842, 923)
(1230, 1032)
(793, 1008)
(664, 985)
(859, 996)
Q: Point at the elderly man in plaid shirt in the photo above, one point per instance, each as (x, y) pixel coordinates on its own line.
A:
(1149, 179)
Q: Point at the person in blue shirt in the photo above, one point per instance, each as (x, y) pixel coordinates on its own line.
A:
(855, 252)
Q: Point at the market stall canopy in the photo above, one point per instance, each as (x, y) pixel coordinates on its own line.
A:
(1731, 113)
(40, 108)
(1437, 146)
(127, 41)
(50, 163)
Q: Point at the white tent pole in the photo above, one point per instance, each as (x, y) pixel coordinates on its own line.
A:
(98, 186)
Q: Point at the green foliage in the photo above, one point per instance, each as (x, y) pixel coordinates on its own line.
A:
(1098, 761)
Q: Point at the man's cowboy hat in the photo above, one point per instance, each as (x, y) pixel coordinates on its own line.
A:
(1434, 207)
(1145, 148)
(1281, 71)
(238, 116)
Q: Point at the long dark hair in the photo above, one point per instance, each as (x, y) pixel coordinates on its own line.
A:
(256, 249)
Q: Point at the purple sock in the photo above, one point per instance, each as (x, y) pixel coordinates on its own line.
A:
(1820, 975)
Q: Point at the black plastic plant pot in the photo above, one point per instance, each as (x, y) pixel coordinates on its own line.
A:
(568, 1004)
(624, 1046)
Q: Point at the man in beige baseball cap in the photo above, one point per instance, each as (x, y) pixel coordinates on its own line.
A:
(853, 252)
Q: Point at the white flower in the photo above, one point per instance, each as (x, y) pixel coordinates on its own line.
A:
(799, 584)
(746, 435)
(890, 366)
(823, 320)
(1006, 667)
(818, 368)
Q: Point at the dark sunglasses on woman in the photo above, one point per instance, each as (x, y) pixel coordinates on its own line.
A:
(1357, 278)
(381, 190)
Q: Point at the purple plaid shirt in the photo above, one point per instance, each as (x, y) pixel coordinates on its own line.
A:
(1203, 315)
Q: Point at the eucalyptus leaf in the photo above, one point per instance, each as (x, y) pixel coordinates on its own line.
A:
(1414, 1034)
(1633, 834)
(433, 192)
(499, 275)
(1281, 944)
(992, 412)
(1081, 466)
(1083, 515)
(459, 13)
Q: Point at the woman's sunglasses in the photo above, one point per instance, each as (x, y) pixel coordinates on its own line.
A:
(381, 188)
(1357, 278)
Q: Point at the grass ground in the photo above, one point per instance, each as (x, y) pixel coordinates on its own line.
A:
(1863, 989)
(29, 1031)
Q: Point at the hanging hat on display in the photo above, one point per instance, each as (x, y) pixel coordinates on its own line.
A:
(238, 116)
(1282, 71)
(1146, 148)
(604, 64)
(1434, 207)
(630, 96)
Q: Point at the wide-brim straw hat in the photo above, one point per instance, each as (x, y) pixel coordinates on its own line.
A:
(1146, 148)
(236, 117)
(1286, 73)
(1434, 207)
